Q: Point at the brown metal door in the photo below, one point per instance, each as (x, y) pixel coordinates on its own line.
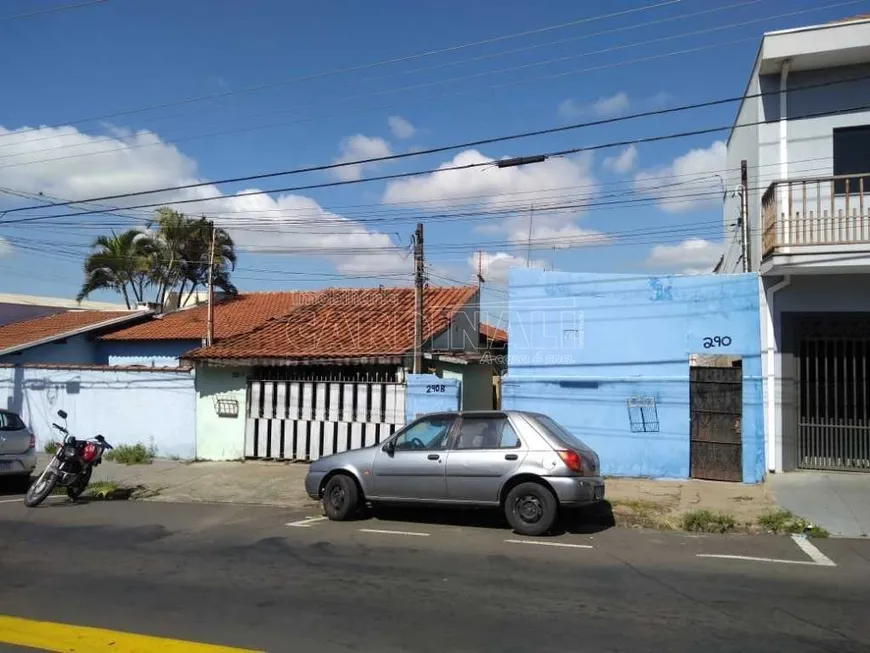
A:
(716, 409)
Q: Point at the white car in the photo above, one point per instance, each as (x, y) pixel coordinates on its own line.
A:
(17, 449)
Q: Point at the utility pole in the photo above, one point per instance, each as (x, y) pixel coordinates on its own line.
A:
(209, 333)
(744, 216)
(419, 279)
(529, 249)
(479, 272)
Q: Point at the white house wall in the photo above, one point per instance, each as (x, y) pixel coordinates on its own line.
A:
(220, 435)
(156, 409)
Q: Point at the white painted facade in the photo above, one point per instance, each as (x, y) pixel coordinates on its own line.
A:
(811, 84)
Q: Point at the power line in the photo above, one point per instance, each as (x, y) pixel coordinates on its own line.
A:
(466, 145)
(361, 67)
(476, 88)
(51, 10)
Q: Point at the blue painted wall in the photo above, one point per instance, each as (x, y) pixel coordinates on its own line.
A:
(128, 407)
(582, 344)
(425, 396)
(77, 350)
(150, 353)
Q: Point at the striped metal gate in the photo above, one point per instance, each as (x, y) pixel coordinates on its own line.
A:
(833, 406)
(306, 419)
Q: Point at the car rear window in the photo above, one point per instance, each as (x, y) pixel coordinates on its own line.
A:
(567, 438)
(10, 421)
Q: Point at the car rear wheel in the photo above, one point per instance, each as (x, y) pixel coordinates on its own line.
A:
(531, 509)
(341, 498)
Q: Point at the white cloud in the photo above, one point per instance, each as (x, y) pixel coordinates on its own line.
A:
(516, 191)
(496, 266)
(360, 147)
(611, 106)
(256, 222)
(5, 247)
(692, 256)
(570, 109)
(689, 181)
(624, 162)
(603, 107)
(400, 127)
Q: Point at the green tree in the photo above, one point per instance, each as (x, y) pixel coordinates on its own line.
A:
(172, 255)
(120, 262)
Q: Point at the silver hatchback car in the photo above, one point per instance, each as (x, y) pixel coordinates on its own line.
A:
(17, 448)
(526, 463)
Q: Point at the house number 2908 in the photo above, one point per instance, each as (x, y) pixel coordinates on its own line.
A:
(435, 388)
(717, 341)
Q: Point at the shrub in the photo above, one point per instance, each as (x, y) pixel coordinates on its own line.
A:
(784, 522)
(51, 448)
(706, 521)
(127, 454)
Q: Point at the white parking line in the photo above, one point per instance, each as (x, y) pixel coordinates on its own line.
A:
(305, 523)
(559, 544)
(812, 551)
(385, 532)
(819, 559)
(12, 500)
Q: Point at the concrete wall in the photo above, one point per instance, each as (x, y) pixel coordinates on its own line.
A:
(743, 145)
(582, 344)
(476, 383)
(220, 437)
(153, 408)
(464, 331)
(150, 353)
(77, 350)
(428, 393)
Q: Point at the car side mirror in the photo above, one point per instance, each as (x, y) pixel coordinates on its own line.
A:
(390, 447)
(61, 414)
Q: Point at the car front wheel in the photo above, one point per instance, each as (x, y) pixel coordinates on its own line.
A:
(531, 509)
(341, 499)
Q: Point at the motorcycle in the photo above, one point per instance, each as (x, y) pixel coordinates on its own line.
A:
(70, 467)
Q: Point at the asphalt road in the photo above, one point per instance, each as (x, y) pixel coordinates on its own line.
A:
(241, 577)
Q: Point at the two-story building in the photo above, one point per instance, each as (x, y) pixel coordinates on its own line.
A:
(803, 131)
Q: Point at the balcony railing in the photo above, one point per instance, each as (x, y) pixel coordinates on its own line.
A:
(818, 211)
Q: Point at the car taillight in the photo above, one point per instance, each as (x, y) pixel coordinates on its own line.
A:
(572, 460)
(32, 441)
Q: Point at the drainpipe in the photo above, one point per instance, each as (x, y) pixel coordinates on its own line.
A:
(770, 405)
(783, 150)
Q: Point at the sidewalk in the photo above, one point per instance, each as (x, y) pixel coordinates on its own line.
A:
(638, 502)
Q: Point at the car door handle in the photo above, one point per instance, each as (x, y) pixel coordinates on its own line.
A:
(434, 456)
(510, 456)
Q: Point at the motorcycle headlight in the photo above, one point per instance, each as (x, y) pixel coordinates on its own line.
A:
(69, 452)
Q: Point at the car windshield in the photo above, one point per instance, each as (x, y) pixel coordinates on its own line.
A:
(567, 438)
(10, 421)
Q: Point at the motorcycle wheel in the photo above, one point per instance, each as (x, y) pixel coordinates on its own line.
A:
(43, 486)
(74, 490)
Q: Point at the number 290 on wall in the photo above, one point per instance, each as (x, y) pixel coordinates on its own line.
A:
(711, 342)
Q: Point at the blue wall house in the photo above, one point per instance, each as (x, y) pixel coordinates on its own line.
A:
(652, 372)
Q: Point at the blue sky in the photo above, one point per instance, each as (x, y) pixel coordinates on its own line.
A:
(121, 55)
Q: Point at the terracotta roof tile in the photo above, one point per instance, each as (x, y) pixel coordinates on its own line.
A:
(232, 317)
(493, 333)
(850, 19)
(346, 324)
(55, 325)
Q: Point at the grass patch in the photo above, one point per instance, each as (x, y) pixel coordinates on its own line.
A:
(706, 521)
(51, 448)
(102, 489)
(642, 514)
(784, 522)
(127, 454)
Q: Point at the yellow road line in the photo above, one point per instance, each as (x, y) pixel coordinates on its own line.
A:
(63, 638)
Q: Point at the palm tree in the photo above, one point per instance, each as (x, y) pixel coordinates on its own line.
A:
(171, 256)
(121, 263)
